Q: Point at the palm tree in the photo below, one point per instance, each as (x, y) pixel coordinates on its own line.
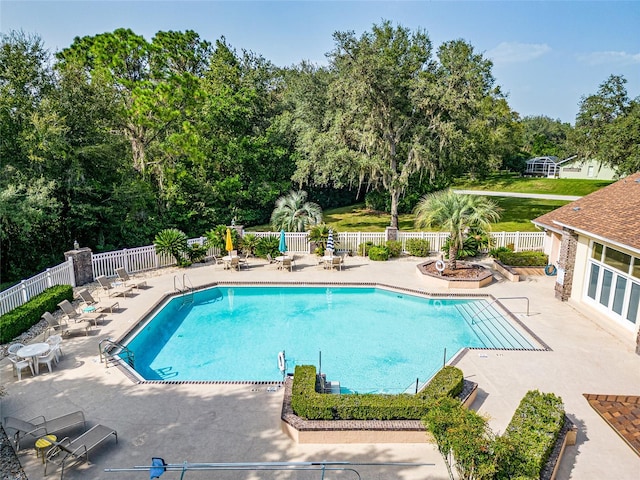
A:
(171, 241)
(457, 214)
(294, 214)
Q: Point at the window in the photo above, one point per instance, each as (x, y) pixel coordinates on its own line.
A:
(617, 259)
(605, 290)
(597, 251)
(618, 295)
(634, 301)
(590, 171)
(593, 281)
(635, 271)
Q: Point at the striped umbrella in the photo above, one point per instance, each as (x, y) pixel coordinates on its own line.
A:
(330, 241)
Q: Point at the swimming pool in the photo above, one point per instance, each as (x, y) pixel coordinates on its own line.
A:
(368, 339)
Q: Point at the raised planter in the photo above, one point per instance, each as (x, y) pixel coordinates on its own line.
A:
(358, 431)
(506, 271)
(567, 436)
(483, 276)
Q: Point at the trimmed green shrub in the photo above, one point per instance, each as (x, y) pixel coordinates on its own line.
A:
(448, 382)
(196, 252)
(523, 259)
(532, 434)
(418, 247)
(394, 247)
(308, 403)
(378, 253)
(25, 316)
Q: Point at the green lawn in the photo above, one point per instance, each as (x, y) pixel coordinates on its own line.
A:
(516, 214)
(509, 183)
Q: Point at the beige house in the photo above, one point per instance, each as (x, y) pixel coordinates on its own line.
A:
(595, 244)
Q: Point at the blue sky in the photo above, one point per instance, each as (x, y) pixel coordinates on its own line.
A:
(546, 54)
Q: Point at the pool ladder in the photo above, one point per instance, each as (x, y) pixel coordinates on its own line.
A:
(185, 287)
(111, 352)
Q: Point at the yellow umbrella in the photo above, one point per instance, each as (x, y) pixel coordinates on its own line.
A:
(229, 242)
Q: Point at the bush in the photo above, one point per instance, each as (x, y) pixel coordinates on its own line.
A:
(25, 316)
(418, 247)
(532, 434)
(267, 245)
(196, 252)
(394, 247)
(363, 248)
(378, 253)
(448, 382)
(308, 403)
(523, 259)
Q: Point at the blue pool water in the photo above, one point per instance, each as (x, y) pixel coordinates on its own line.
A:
(370, 339)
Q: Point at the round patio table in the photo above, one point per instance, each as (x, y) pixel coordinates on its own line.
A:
(32, 351)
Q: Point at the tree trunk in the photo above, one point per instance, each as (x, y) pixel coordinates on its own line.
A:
(453, 256)
(395, 198)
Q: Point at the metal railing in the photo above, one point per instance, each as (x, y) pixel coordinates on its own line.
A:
(111, 353)
(496, 300)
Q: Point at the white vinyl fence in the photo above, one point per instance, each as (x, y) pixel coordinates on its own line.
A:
(145, 258)
(20, 294)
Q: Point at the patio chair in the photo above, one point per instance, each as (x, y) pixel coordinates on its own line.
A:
(89, 301)
(65, 328)
(14, 347)
(128, 281)
(73, 314)
(68, 452)
(47, 359)
(19, 365)
(217, 260)
(112, 290)
(287, 264)
(336, 262)
(54, 341)
(40, 426)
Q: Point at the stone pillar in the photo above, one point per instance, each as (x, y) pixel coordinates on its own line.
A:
(82, 267)
(391, 233)
(566, 264)
(237, 228)
(638, 342)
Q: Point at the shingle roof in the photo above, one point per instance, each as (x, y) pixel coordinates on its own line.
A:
(612, 213)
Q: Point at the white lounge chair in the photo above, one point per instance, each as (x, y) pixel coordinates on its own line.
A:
(47, 359)
(40, 426)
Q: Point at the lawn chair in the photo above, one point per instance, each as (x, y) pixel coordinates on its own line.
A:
(89, 301)
(19, 365)
(128, 281)
(72, 313)
(112, 290)
(68, 452)
(65, 328)
(40, 426)
(287, 264)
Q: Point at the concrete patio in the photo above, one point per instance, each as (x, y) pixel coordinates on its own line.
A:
(241, 423)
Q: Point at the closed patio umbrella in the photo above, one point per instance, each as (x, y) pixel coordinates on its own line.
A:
(330, 241)
(283, 243)
(229, 242)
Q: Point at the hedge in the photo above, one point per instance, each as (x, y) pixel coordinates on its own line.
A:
(378, 253)
(532, 434)
(308, 403)
(418, 247)
(21, 319)
(523, 259)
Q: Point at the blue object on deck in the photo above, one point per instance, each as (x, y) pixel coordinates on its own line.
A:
(283, 242)
(158, 467)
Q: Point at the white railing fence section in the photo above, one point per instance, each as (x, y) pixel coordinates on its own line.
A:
(20, 294)
(145, 258)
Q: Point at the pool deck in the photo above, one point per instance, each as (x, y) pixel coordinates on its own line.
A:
(241, 423)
